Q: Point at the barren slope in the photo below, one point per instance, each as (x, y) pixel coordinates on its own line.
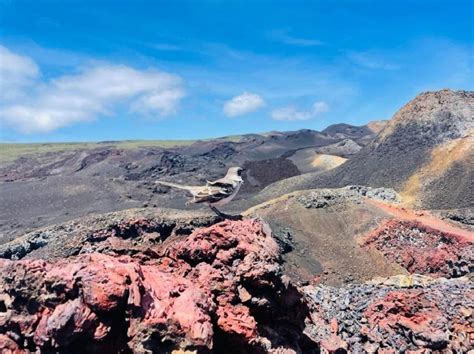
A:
(425, 152)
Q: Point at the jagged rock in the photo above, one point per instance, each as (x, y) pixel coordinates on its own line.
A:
(336, 198)
(184, 297)
(422, 249)
(462, 216)
(118, 233)
(384, 194)
(369, 317)
(284, 238)
(411, 314)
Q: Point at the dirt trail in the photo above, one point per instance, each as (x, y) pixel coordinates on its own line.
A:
(424, 217)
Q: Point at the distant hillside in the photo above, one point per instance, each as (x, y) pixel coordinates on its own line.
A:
(425, 152)
(42, 184)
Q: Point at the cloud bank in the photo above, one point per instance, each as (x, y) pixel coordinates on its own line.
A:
(32, 105)
(291, 113)
(243, 104)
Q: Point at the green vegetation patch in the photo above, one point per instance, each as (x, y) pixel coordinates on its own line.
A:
(11, 151)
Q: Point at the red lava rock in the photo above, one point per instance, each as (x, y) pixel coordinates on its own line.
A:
(411, 313)
(107, 293)
(186, 297)
(422, 249)
(333, 344)
(376, 318)
(237, 319)
(8, 345)
(334, 325)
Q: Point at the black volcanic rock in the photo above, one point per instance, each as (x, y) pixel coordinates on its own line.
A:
(347, 130)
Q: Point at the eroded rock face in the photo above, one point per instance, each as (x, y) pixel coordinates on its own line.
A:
(219, 288)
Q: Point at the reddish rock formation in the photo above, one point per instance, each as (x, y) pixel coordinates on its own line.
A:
(186, 296)
(410, 313)
(140, 286)
(380, 318)
(422, 249)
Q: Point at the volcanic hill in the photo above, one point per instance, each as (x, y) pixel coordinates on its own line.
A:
(425, 152)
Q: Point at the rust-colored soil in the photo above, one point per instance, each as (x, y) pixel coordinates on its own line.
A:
(422, 216)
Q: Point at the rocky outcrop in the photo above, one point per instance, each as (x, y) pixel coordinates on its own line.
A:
(334, 198)
(387, 317)
(462, 217)
(218, 289)
(124, 232)
(161, 284)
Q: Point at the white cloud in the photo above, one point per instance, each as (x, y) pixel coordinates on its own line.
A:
(320, 107)
(95, 91)
(164, 102)
(16, 72)
(290, 113)
(243, 104)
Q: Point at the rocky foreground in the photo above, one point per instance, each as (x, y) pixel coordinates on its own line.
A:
(132, 288)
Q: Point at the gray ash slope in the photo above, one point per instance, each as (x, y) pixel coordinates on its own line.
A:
(52, 187)
(428, 142)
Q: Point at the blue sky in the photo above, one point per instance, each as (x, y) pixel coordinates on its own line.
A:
(109, 70)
